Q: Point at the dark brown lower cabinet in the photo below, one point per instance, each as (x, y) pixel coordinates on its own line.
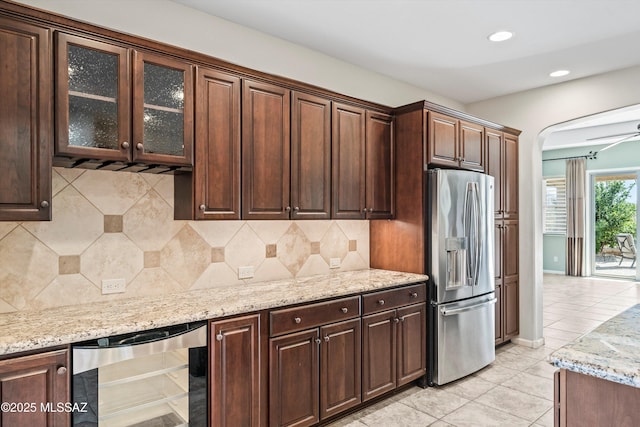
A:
(238, 391)
(33, 386)
(314, 374)
(393, 348)
(583, 400)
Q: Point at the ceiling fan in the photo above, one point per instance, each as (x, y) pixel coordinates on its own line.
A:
(626, 136)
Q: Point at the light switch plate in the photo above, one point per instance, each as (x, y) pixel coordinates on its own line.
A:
(245, 272)
(113, 286)
(334, 262)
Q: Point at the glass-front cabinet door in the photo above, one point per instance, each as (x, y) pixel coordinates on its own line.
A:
(162, 110)
(93, 104)
(114, 103)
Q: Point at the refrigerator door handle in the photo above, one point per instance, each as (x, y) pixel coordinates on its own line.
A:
(477, 252)
(454, 311)
(467, 220)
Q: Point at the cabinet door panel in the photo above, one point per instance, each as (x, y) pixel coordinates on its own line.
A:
(442, 141)
(25, 122)
(265, 151)
(93, 102)
(235, 372)
(217, 168)
(293, 380)
(510, 249)
(340, 367)
(163, 107)
(511, 310)
(471, 146)
(36, 379)
(348, 153)
(495, 155)
(498, 252)
(310, 157)
(510, 176)
(498, 311)
(380, 168)
(412, 343)
(379, 354)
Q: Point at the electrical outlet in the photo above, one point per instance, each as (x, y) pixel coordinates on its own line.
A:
(113, 286)
(245, 272)
(334, 262)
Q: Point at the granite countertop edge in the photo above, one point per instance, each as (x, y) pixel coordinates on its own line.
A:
(608, 352)
(40, 329)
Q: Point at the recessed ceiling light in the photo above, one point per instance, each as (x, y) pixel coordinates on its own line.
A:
(500, 36)
(559, 73)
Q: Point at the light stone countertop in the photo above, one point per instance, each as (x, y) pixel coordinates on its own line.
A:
(30, 330)
(611, 351)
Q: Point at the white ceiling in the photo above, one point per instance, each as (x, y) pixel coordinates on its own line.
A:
(442, 46)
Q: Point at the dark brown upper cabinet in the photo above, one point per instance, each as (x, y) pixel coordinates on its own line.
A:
(380, 166)
(265, 151)
(363, 164)
(117, 104)
(502, 164)
(310, 157)
(217, 155)
(25, 122)
(454, 143)
(348, 152)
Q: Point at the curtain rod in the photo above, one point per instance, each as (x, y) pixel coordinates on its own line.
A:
(591, 156)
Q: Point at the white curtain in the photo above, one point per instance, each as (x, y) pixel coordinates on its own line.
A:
(576, 216)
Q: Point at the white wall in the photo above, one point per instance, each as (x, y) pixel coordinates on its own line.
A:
(178, 25)
(532, 111)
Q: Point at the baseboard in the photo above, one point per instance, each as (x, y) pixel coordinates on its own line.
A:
(528, 343)
(554, 272)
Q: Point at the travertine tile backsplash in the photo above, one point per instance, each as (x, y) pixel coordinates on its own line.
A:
(110, 225)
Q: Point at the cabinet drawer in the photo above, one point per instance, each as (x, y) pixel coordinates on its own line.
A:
(309, 316)
(393, 298)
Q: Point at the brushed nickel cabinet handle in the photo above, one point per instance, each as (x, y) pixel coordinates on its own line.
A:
(219, 337)
(62, 370)
(44, 204)
(202, 207)
(414, 295)
(297, 319)
(364, 210)
(139, 146)
(318, 340)
(125, 144)
(326, 338)
(370, 210)
(381, 301)
(288, 208)
(344, 309)
(396, 320)
(297, 208)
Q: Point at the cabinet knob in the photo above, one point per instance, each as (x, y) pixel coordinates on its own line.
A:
(139, 146)
(62, 370)
(288, 209)
(344, 309)
(402, 319)
(381, 301)
(326, 338)
(364, 210)
(414, 295)
(318, 340)
(219, 337)
(44, 204)
(370, 210)
(297, 320)
(396, 320)
(125, 144)
(297, 208)
(203, 207)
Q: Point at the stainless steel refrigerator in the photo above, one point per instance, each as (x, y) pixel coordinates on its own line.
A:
(460, 232)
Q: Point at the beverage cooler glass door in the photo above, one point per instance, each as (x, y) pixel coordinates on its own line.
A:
(152, 378)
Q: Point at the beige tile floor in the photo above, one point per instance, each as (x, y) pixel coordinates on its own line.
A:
(517, 389)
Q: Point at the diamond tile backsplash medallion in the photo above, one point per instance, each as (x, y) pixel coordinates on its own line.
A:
(110, 225)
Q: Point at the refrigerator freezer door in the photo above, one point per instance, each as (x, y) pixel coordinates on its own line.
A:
(465, 338)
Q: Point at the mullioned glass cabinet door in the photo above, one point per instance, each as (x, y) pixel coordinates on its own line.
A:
(162, 110)
(93, 103)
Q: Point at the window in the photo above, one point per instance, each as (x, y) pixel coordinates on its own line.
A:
(555, 206)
